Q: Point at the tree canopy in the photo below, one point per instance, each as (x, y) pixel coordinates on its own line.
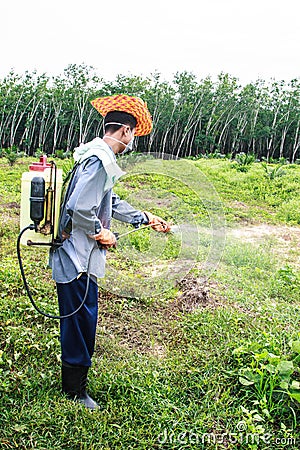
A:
(191, 116)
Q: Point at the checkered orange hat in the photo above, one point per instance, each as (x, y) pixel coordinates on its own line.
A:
(131, 105)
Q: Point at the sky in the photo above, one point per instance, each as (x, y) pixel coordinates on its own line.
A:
(249, 39)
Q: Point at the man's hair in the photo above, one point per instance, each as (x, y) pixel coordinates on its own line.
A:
(120, 117)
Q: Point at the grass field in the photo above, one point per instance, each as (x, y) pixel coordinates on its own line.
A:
(195, 349)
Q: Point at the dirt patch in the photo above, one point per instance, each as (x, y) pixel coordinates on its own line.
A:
(193, 294)
(150, 329)
(258, 233)
(240, 205)
(282, 240)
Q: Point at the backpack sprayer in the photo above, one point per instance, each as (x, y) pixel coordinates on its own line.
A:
(40, 203)
(39, 214)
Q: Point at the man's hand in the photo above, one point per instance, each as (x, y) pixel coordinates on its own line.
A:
(65, 235)
(105, 238)
(157, 223)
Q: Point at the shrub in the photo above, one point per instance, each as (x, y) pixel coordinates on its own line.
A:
(273, 172)
(11, 155)
(243, 161)
(61, 154)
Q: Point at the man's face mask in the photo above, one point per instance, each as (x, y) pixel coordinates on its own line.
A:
(129, 146)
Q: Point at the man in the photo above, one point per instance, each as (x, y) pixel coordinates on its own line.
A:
(84, 231)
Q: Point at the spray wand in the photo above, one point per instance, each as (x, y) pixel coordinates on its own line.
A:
(54, 245)
(173, 230)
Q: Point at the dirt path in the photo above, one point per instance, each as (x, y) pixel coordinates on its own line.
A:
(258, 233)
(283, 240)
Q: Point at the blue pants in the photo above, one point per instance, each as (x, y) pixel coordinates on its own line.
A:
(77, 333)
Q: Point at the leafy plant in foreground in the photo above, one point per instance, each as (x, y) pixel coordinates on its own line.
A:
(272, 380)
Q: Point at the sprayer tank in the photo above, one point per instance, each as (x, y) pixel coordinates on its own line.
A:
(39, 169)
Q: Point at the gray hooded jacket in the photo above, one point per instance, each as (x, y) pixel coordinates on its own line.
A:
(88, 205)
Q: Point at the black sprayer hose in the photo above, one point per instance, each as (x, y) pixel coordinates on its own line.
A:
(51, 316)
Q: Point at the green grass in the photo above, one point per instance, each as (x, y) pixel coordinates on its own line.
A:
(169, 370)
(253, 196)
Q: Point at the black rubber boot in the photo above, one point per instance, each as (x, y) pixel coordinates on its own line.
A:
(74, 381)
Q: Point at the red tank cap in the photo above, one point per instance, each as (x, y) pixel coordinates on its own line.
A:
(41, 165)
